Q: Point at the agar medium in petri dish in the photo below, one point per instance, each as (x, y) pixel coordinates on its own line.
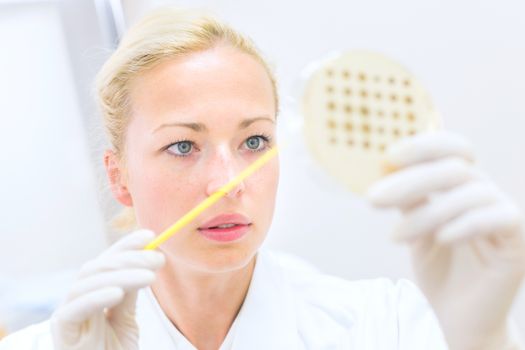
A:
(354, 105)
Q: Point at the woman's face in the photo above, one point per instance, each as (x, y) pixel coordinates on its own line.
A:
(196, 122)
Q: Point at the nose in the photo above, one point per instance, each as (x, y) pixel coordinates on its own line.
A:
(222, 169)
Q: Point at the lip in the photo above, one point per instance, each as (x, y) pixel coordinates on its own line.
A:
(222, 219)
(209, 230)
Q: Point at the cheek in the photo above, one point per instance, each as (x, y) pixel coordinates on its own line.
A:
(273, 175)
(264, 184)
(160, 196)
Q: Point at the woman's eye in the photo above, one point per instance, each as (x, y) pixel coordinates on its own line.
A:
(181, 148)
(254, 143)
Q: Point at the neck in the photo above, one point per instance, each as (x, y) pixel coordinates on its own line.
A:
(202, 305)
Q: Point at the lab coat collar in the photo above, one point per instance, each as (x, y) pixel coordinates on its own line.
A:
(267, 319)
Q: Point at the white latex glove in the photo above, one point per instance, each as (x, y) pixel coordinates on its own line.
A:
(466, 237)
(99, 312)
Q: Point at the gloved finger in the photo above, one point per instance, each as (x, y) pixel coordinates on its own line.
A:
(416, 183)
(135, 240)
(125, 310)
(146, 259)
(500, 218)
(442, 208)
(427, 147)
(127, 280)
(74, 313)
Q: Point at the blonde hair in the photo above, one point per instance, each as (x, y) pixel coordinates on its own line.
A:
(164, 34)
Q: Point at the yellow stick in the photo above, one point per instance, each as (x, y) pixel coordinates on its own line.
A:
(192, 214)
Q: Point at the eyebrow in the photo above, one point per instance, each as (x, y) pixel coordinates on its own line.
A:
(199, 127)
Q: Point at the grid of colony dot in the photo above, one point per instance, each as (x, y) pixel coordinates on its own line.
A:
(366, 110)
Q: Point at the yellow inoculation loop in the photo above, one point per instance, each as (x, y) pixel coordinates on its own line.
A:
(212, 199)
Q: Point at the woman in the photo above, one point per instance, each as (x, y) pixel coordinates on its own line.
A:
(188, 103)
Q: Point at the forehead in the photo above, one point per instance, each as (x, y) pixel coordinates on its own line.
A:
(221, 82)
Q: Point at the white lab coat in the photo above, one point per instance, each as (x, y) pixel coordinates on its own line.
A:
(290, 305)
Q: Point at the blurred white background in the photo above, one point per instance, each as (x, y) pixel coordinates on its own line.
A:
(54, 202)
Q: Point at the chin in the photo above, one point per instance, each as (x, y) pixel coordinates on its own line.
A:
(225, 260)
(201, 255)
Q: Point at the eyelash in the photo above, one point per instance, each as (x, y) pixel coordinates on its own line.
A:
(267, 139)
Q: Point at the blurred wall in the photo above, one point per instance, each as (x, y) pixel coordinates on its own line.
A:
(48, 198)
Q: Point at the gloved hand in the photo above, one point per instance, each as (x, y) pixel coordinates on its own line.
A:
(466, 237)
(99, 312)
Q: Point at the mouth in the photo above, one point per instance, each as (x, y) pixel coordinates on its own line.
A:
(225, 227)
(225, 233)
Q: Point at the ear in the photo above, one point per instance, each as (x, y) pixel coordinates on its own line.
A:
(117, 178)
